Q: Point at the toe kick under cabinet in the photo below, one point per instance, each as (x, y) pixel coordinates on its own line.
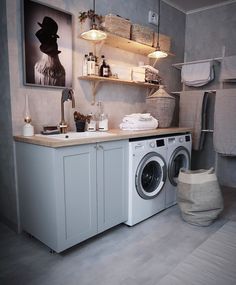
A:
(69, 194)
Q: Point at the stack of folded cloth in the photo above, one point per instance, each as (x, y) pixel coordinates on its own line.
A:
(197, 74)
(138, 122)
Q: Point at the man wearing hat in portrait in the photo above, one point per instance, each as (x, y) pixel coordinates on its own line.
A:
(49, 70)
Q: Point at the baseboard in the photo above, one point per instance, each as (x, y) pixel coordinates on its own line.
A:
(13, 226)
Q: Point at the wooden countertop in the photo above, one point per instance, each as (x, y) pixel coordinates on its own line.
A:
(116, 135)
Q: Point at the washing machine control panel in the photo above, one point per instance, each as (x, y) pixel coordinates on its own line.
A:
(181, 139)
(152, 144)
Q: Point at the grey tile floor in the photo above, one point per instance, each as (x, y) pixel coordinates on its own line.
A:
(142, 254)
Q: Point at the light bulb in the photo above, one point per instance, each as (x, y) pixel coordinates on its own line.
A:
(158, 54)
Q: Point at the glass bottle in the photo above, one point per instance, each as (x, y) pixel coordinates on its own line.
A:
(90, 63)
(104, 69)
(85, 65)
(102, 118)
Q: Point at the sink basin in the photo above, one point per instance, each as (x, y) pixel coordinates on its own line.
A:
(78, 135)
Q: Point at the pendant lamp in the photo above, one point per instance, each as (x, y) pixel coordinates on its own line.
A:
(94, 34)
(158, 53)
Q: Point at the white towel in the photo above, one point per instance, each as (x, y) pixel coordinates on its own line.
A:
(138, 121)
(136, 117)
(224, 137)
(190, 114)
(197, 74)
(228, 68)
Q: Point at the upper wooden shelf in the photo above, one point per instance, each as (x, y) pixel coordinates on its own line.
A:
(136, 47)
(119, 81)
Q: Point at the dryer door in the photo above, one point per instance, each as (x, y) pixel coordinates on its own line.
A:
(150, 175)
(180, 158)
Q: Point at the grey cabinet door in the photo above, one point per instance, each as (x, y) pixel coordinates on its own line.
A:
(77, 179)
(112, 186)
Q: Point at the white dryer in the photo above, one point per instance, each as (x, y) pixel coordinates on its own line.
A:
(147, 177)
(178, 156)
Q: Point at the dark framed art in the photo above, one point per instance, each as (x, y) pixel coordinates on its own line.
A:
(47, 45)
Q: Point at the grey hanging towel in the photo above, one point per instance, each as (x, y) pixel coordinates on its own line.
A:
(191, 111)
(228, 69)
(224, 137)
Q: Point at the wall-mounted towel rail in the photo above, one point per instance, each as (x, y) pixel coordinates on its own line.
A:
(207, 91)
(207, 131)
(179, 65)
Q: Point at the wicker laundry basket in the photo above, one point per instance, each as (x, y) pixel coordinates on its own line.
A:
(161, 106)
(199, 196)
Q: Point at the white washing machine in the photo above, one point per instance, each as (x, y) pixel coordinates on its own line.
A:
(178, 156)
(147, 177)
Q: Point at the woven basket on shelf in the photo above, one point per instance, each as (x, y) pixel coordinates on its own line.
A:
(161, 106)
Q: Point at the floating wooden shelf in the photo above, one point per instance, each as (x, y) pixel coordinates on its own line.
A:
(133, 46)
(118, 81)
(96, 80)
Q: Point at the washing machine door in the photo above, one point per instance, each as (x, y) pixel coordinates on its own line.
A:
(180, 158)
(150, 175)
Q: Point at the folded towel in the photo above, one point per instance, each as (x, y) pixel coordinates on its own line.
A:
(136, 117)
(151, 68)
(228, 68)
(139, 122)
(191, 108)
(224, 137)
(197, 74)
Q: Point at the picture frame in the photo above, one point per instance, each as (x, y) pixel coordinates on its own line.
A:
(47, 46)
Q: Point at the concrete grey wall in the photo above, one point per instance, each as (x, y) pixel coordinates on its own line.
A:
(206, 33)
(8, 205)
(118, 100)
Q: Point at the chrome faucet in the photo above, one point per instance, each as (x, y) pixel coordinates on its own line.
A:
(67, 94)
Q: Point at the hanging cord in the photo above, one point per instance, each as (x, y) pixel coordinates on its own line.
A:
(93, 11)
(158, 23)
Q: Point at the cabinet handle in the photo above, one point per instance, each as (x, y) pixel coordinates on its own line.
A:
(100, 147)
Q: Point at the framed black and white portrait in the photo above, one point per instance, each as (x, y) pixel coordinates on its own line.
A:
(47, 45)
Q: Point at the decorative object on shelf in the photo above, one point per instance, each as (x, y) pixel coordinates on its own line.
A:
(158, 53)
(161, 106)
(93, 34)
(28, 129)
(48, 49)
(142, 34)
(117, 25)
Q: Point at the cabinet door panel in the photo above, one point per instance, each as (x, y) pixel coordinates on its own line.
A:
(112, 184)
(80, 197)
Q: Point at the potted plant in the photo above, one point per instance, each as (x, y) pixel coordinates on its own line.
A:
(91, 16)
(80, 121)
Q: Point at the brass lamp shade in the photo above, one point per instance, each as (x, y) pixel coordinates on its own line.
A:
(158, 54)
(94, 34)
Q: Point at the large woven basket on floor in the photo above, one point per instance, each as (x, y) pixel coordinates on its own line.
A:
(161, 106)
(199, 196)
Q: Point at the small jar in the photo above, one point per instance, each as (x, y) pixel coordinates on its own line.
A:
(91, 123)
